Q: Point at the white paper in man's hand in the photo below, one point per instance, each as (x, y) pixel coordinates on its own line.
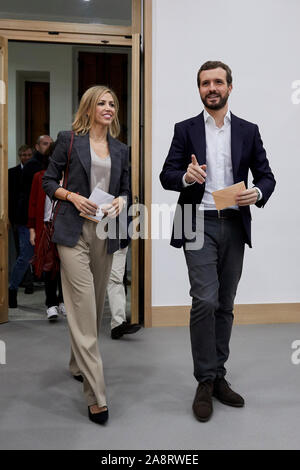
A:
(101, 198)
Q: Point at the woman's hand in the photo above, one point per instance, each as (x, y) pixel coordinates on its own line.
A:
(115, 208)
(83, 204)
(32, 236)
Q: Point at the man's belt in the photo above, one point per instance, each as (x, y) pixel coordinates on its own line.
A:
(223, 214)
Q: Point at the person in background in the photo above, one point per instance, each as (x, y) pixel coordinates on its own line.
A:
(116, 293)
(39, 213)
(14, 188)
(35, 164)
(97, 159)
(117, 297)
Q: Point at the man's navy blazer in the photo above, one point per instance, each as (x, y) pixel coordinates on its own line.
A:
(247, 152)
(68, 223)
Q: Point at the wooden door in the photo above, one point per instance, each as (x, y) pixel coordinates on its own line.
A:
(37, 110)
(3, 183)
(111, 70)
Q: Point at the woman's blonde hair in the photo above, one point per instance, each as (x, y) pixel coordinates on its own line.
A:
(85, 116)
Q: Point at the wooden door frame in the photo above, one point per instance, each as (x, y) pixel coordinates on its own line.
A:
(4, 185)
(135, 173)
(29, 85)
(147, 22)
(23, 28)
(42, 31)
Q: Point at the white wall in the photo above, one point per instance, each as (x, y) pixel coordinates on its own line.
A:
(33, 57)
(259, 40)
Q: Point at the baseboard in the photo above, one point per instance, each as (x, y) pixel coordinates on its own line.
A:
(244, 314)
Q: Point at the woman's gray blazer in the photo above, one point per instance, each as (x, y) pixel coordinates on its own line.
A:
(68, 223)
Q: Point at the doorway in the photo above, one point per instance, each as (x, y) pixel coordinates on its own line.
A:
(109, 69)
(93, 33)
(37, 112)
(61, 65)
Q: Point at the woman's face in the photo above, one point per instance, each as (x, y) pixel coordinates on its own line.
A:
(105, 110)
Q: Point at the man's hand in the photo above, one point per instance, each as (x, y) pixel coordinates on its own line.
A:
(195, 172)
(114, 209)
(247, 197)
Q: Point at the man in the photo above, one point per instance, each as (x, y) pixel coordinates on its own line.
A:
(35, 164)
(210, 152)
(115, 288)
(14, 185)
(14, 181)
(117, 297)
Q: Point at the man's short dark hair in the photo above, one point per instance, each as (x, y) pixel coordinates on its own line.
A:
(214, 64)
(23, 149)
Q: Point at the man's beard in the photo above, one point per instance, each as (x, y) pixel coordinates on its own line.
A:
(219, 105)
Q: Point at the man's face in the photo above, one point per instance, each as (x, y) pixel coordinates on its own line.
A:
(44, 144)
(214, 90)
(25, 156)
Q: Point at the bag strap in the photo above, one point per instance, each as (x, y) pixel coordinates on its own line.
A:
(65, 180)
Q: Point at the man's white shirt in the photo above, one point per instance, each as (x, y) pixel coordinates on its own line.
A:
(219, 173)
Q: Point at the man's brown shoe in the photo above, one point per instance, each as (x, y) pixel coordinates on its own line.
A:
(225, 395)
(202, 406)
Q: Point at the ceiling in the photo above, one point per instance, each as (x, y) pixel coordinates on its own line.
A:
(80, 11)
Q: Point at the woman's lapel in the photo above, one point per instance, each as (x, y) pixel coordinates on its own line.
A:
(82, 146)
(115, 172)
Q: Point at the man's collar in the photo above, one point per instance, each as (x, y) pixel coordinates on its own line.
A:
(208, 116)
(38, 155)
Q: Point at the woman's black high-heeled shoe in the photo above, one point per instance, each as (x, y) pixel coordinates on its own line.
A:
(79, 378)
(98, 418)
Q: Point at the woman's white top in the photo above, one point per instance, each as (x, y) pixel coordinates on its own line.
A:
(100, 171)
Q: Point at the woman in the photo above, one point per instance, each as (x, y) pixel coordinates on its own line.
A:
(39, 212)
(96, 159)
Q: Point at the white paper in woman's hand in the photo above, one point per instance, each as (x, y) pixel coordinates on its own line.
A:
(102, 199)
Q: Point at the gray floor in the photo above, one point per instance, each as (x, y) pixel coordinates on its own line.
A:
(150, 389)
(32, 307)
